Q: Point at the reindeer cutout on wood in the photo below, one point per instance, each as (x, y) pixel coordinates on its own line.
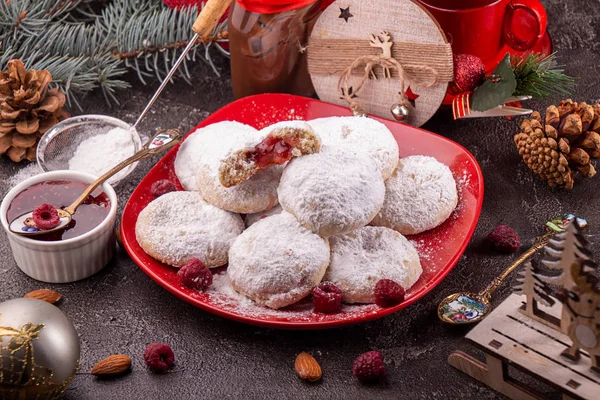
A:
(385, 43)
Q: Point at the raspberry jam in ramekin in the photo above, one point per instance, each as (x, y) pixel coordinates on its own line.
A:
(61, 193)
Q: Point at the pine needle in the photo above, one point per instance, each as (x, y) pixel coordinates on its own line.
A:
(540, 76)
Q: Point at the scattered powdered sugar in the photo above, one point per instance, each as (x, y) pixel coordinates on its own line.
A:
(99, 153)
(224, 296)
(332, 192)
(276, 262)
(360, 259)
(420, 195)
(25, 173)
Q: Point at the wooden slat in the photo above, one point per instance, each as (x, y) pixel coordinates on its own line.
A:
(535, 348)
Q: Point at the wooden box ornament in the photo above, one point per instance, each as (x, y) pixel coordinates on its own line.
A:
(387, 58)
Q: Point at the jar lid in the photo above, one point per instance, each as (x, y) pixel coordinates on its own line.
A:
(275, 6)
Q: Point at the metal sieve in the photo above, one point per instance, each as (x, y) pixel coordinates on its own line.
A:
(58, 145)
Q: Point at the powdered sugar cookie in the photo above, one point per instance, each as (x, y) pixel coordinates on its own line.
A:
(189, 156)
(332, 192)
(361, 258)
(420, 195)
(360, 134)
(202, 156)
(181, 225)
(278, 143)
(251, 219)
(276, 262)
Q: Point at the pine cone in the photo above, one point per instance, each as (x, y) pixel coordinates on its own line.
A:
(566, 143)
(28, 108)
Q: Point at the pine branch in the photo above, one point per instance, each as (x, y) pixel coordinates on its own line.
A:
(540, 76)
(87, 45)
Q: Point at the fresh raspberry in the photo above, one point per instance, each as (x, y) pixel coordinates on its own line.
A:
(161, 187)
(159, 357)
(504, 239)
(388, 293)
(327, 297)
(195, 275)
(46, 216)
(369, 368)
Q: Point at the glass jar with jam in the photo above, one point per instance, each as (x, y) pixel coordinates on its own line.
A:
(266, 42)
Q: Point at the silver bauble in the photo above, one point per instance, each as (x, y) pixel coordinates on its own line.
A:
(39, 350)
(400, 112)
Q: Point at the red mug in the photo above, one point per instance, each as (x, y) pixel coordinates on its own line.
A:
(484, 27)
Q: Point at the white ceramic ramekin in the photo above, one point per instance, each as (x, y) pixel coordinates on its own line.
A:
(67, 260)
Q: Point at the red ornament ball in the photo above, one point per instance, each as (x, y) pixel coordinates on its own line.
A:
(469, 72)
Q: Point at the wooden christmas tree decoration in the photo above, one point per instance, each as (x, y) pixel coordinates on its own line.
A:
(519, 334)
(582, 303)
(534, 289)
(564, 250)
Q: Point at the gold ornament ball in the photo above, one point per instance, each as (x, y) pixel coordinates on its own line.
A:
(39, 350)
(400, 112)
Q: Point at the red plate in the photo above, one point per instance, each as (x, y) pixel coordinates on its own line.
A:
(440, 248)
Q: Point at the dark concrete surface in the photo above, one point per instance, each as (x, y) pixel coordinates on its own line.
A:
(120, 310)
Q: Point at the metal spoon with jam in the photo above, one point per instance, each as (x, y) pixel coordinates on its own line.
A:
(25, 224)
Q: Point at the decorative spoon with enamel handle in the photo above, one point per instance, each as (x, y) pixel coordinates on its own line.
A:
(467, 308)
(162, 140)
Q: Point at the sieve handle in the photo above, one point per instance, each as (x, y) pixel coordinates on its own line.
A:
(212, 11)
(162, 140)
(209, 16)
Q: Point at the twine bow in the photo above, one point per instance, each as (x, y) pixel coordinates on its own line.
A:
(387, 62)
(425, 64)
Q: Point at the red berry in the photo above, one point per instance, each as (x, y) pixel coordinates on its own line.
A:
(504, 239)
(159, 357)
(327, 297)
(46, 217)
(369, 368)
(161, 187)
(195, 275)
(388, 293)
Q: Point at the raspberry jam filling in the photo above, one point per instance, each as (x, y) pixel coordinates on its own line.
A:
(273, 151)
(61, 194)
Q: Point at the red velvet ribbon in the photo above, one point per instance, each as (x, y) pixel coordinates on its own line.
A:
(276, 6)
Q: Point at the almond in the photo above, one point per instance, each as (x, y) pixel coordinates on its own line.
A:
(51, 296)
(113, 365)
(307, 367)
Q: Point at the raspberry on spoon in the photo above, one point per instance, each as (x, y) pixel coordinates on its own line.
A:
(46, 217)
